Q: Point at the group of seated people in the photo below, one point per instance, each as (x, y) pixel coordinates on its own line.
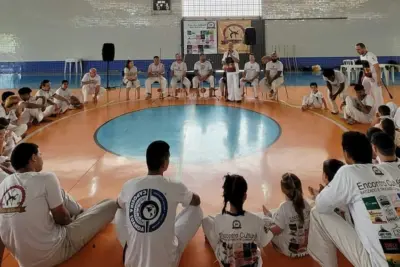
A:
(355, 209)
(231, 87)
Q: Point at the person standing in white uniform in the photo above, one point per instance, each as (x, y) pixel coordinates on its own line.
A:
(273, 76)
(337, 84)
(372, 195)
(32, 112)
(360, 108)
(203, 72)
(179, 69)
(372, 72)
(147, 225)
(64, 92)
(40, 224)
(91, 85)
(156, 73)
(232, 81)
(251, 74)
(290, 222)
(131, 79)
(314, 100)
(237, 237)
(232, 53)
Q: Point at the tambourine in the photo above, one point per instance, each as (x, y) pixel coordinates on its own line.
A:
(203, 90)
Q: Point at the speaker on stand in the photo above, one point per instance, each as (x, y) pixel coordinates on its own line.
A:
(250, 37)
(108, 53)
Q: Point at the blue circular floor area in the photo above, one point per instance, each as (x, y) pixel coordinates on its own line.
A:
(195, 133)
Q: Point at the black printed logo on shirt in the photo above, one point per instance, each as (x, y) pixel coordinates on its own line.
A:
(377, 171)
(236, 224)
(13, 200)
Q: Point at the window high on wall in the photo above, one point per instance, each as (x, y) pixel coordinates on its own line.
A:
(221, 8)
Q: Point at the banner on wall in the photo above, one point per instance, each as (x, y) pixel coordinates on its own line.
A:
(200, 37)
(232, 31)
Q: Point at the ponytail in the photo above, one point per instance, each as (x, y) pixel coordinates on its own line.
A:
(291, 186)
(235, 189)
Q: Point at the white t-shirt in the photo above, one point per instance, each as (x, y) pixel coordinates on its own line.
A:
(87, 78)
(316, 98)
(64, 93)
(251, 69)
(203, 67)
(295, 234)
(46, 94)
(150, 203)
(240, 239)
(339, 79)
(130, 72)
(273, 68)
(26, 226)
(372, 194)
(372, 60)
(10, 116)
(178, 68)
(153, 68)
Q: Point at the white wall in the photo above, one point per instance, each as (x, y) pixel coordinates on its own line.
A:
(373, 22)
(38, 30)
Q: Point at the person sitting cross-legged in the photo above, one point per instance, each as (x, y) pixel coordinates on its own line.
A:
(40, 224)
(370, 192)
(65, 99)
(237, 236)
(10, 110)
(146, 222)
(360, 108)
(32, 112)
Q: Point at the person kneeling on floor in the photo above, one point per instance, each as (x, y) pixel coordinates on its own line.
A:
(40, 224)
(315, 100)
(146, 223)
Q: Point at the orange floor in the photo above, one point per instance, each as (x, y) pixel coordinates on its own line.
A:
(90, 174)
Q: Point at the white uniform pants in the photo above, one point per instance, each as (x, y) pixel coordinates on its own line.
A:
(330, 231)
(187, 222)
(29, 114)
(161, 80)
(254, 84)
(175, 80)
(310, 102)
(63, 105)
(274, 85)
(19, 130)
(132, 84)
(342, 96)
(89, 89)
(350, 111)
(210, 80)
(232, 83)
(372, 88)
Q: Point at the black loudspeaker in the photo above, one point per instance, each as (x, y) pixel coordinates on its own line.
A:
(250, 36)
(108, 52)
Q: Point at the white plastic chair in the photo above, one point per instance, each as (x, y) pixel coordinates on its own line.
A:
(349, 62)
(69, 62)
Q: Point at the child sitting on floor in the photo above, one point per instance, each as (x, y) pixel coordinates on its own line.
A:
(290, 223)
(383, 113)
(314, 100)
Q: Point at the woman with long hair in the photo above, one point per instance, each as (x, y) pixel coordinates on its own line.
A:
(290, 222)
(131, 79)
(236, 236)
